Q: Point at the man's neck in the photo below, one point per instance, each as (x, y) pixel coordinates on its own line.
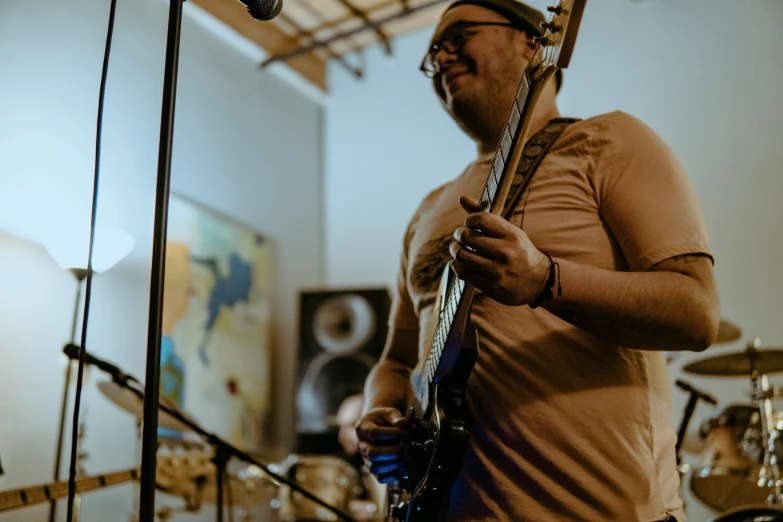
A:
(541, 117)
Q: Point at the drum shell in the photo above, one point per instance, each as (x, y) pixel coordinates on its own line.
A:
(752, 513)
(331, 479)
(729, 464)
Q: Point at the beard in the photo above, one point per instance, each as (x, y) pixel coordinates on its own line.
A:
(481, 108)
(475, 115)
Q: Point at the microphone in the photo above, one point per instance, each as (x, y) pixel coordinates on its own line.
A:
(700, 394)
(263, 9)
(72, 351)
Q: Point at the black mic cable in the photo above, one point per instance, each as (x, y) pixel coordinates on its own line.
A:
(88, 286)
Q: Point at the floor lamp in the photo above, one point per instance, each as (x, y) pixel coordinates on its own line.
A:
(70, 253)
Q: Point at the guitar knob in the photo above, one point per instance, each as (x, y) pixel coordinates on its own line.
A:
(556, 9)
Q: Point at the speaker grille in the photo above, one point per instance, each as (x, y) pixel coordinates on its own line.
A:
(342, 333)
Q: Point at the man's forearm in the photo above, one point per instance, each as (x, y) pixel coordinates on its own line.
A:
(388, 385)
(654, 310)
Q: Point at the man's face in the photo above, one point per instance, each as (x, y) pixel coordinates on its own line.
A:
(485, 71)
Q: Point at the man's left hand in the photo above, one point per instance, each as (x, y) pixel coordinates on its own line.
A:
(497, 257)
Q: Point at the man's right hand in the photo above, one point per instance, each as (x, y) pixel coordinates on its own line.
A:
(383, 439)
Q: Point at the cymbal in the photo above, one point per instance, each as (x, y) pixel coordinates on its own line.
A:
(737, 364)
(727, 332)
(130, 402)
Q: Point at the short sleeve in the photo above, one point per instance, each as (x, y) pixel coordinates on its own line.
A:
(644, 194)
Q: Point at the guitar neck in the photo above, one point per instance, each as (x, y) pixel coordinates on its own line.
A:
(495, 190)
(493, 197)
(31, 495)
(554, 50)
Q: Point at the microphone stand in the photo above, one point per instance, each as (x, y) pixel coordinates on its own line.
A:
(152, 375)
(693, 399)
(686, 419)
(223, 450)
(152, 380)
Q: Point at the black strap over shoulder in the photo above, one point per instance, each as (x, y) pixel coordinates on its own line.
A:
(534, 151)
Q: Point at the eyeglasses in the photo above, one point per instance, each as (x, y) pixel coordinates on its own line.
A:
(451, 41)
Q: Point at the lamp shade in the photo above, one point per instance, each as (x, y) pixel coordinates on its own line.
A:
(69, 246)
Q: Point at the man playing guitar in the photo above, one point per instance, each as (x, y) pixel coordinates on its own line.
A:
(569, 402)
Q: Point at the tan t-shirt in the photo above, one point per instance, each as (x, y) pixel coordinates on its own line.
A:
(567, 427)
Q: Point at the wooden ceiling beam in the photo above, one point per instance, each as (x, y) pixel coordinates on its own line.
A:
(337, 22)
(267, 35)
(361, 14)
(295, 51)
(303, 33)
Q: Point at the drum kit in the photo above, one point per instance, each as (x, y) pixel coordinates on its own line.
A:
(187, 469)
(301, 488)
(738, 468)
(188, 473)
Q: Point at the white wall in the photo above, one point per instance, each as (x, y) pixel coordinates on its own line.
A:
(705, 74)
(246, 144)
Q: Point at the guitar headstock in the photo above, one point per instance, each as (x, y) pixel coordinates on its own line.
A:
(559, 32)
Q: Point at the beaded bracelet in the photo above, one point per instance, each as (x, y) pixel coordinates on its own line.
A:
(546, 293)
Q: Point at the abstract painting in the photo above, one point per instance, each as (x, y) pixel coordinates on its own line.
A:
(215, 350)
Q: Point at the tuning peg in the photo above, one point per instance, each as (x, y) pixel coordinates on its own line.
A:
(543, 41)
(551, 27)
(555, 9)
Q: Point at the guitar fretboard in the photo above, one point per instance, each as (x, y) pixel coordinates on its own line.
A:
(496, 179)
(32, 495)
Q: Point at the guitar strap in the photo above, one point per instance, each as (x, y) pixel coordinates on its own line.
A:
(534, 151)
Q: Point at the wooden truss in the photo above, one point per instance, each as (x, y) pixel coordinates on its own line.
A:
(307, 33)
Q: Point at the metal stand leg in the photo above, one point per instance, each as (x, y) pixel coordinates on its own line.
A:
(152, 374)
(80, 275)
(686, 418)
(771, 473)
(221, 460)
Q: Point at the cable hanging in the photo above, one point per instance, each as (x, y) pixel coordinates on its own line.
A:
(88, 285)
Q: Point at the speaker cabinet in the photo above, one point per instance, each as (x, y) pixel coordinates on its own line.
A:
(341, 336)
